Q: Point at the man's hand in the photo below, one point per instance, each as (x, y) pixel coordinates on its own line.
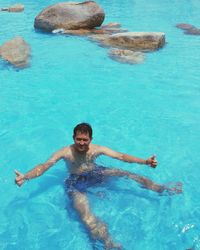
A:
(152, 162)
(19, 179)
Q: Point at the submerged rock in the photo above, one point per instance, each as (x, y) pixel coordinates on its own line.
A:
(194, 31)
(70, 16)
(189, 29)
(184, 26)
(126, 56)
(16, 52)
(99, 38)
(14, 8)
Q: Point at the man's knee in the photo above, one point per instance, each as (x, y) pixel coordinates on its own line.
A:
(99, 230)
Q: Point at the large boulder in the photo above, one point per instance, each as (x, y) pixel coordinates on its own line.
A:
(16, 52)
(136, 40)
(70, 16)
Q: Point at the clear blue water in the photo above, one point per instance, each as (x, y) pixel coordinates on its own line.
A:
(138, 109)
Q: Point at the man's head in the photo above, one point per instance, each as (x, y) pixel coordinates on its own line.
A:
(82, 136)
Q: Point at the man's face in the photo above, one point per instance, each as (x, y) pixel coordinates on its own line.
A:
(82, 141)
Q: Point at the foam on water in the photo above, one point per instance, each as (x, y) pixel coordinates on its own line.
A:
(139, 109)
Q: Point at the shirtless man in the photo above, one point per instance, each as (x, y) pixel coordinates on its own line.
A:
(80, 158)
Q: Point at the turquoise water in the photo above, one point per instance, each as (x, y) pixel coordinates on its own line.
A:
(138, 109)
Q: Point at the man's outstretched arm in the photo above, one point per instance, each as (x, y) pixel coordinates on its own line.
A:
(39, 169)
(151, 161)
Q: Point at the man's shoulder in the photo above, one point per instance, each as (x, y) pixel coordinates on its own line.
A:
(96, 148)
(64, 150)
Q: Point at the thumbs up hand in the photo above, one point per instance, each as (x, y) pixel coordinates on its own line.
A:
(19, 179)
(152, 162)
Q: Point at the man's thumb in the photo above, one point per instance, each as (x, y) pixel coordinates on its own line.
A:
(17, 173)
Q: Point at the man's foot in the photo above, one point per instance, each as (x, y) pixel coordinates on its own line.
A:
(101, 194)
(173, 188)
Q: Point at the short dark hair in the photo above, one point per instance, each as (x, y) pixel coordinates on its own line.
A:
(83, 128)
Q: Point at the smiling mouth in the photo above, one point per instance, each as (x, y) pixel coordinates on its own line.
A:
(81, 147)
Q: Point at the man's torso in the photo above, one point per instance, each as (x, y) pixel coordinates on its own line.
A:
(80, 162)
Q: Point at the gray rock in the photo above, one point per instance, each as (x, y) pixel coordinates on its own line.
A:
(126, 56)
(146, 41)
(70, 16)
(16, 52)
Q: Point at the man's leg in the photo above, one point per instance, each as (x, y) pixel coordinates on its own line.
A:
(145, 182)
(97, 228)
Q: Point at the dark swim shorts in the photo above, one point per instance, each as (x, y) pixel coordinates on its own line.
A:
(83, 181)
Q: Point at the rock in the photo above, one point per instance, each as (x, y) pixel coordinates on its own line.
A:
(136, 40)
(16, 8)
(194, 31)
(4, 9)
(126, 56)
(70, 16)
(184, 26)
(16, 52)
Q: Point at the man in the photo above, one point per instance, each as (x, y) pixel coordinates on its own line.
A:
(80, 158)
